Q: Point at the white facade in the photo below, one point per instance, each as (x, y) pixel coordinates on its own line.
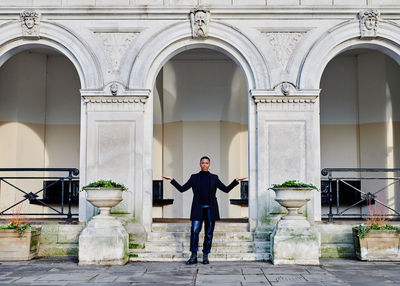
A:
(118, 48)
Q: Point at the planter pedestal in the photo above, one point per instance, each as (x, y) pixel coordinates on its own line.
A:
(104, 241)
(294, 240)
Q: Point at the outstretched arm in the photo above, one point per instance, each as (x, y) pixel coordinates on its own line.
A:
(224, 188)
(180, 188)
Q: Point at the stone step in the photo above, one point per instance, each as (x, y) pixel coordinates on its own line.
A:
(223, 247)
(182, 227)
(183, 256)
(218, 236)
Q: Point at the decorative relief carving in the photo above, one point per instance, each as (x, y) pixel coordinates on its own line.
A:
(106, 103)
(369, 20)
(200, 20)
(294, 103)
(30, 23)
(114, 88)
(116, 45)
(283, 44)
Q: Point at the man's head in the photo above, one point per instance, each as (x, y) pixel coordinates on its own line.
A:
(204, 163)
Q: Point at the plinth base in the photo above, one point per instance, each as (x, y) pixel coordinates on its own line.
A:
(295, 242)
(103, 242)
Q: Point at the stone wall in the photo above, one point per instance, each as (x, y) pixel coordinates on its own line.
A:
(211, 3)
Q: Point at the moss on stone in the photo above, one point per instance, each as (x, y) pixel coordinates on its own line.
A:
(136, 246)
(133, 255)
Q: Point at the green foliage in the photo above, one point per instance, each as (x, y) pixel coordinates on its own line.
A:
(363, 230)
(20, 228)
(105, 184)
(136, 246)
(293, 184)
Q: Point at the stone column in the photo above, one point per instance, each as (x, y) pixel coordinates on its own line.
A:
(112, 147)
(288, 146)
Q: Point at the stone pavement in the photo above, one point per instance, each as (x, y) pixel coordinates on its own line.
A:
(332, 272)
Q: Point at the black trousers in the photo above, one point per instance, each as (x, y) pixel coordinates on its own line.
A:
(208, 231)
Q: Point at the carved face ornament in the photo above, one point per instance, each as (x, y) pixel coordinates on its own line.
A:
(370, 22)
(29, 22)
(200, 18)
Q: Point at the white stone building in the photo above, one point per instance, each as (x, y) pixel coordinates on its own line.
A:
(132, 90)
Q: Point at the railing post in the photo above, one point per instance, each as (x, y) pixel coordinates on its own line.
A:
(69, 215)
(330, 215)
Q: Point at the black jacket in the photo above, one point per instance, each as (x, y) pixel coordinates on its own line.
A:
(194, 183)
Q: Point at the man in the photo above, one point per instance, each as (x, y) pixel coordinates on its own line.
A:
(204, 206)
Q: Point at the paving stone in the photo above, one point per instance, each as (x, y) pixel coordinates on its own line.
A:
(285, 278)
(9, 279)
(219, 279)
(255, 278)
(290, 283)
(320, 277)
(335, 283)
(252, 271)
(105, 278)
(67, 277)
(255, 283)
(219, 270)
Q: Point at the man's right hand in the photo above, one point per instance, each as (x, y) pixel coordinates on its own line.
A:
(167, 178)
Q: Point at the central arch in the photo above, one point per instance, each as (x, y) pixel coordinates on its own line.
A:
(173, 40)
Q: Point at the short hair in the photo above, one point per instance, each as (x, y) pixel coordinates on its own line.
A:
(205, 157)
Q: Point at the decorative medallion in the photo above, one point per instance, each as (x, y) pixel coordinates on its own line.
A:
(283, 44)
(200, 21)
(30, 21)
(369, 20)
(116, 46)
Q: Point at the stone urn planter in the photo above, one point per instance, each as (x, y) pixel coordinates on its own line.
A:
(292, 199)
(104, 240)
(294, 240)
(377, 245)
(16, 247)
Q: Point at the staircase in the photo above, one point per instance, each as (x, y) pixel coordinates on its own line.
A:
(231, 242)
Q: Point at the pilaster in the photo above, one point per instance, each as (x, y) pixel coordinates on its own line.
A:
(287, 145)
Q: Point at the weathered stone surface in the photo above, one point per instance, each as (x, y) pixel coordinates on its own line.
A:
(14, 247)
(378, 245)
(294, 243)
(103, 241)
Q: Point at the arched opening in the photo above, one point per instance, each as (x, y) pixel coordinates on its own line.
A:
(39, 122)
(360, 128)
(200, 102)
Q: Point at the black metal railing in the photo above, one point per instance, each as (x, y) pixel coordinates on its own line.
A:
(337, 179)
(66, 184)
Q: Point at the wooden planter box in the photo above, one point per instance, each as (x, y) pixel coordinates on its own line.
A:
(13, 247)
(378, 245)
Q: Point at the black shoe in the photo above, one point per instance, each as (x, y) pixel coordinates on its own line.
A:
(192, 259)
(205, 258)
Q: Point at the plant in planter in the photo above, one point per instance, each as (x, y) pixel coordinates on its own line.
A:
(18, 240)
(294, 240)
(292, 195)
(104, 194)
(104, 240)
(376, 240)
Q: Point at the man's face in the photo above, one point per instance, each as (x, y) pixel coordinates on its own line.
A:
(204, 164)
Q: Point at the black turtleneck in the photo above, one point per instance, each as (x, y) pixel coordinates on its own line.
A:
(204, 187)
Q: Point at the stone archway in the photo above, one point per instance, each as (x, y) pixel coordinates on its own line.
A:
(344, 37)
(55, 36)
(59, 38)
(171, 41)
(341, 38)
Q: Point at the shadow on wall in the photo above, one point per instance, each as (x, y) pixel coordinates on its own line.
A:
(39, 114)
